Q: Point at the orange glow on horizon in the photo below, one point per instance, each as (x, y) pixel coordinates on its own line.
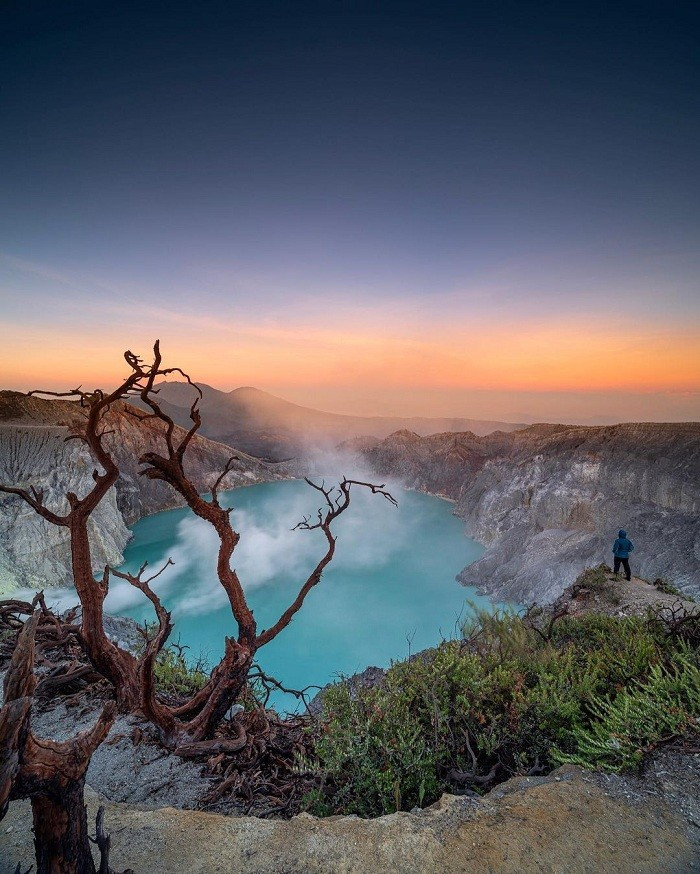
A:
(512, 358)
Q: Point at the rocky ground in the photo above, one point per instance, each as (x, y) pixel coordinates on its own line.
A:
(620, 597)
(567, 822)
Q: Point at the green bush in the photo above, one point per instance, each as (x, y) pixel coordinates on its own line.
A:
(599, 693)
(595, 578)
(625, 726)
(670, 589)
(174, 676)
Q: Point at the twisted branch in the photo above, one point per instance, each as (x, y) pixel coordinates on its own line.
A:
(337, 501)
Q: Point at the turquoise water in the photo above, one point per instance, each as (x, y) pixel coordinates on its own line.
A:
(392, 581)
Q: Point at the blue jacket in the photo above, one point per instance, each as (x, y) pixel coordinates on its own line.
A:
(622, 546)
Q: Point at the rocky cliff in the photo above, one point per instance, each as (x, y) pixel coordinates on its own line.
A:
(548, 500)
(34, 452)
(568, 821)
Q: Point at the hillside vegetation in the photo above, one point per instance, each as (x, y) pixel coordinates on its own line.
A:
(515, 696)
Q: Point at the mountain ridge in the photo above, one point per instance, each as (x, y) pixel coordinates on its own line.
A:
(268, 426)
(544, 499)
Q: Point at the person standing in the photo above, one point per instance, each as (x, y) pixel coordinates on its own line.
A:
(621, 550)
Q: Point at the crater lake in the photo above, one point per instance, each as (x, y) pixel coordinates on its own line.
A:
(390, 589)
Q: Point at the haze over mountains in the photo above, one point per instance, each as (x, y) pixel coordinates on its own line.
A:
(270, 427)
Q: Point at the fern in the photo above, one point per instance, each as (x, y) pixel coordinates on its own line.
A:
(666, 704)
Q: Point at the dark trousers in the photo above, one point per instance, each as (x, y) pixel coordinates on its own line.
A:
(625, 562)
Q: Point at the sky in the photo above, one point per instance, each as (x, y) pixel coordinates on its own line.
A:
(488, 210)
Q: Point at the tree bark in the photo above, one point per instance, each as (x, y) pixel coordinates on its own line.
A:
(50, 773)
(113, 662)
(61, 841)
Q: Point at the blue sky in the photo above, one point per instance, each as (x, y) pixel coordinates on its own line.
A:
(264, 177)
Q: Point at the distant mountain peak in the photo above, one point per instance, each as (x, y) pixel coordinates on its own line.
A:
(404, 434)
(252, 391)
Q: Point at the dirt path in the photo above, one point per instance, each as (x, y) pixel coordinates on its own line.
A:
(619, 597)
(636, 595)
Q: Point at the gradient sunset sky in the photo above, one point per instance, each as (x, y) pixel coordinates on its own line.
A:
(486, 210)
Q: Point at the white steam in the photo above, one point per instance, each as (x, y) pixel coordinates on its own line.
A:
(369, 534)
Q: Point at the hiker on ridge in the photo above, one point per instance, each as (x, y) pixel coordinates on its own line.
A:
(621, 550)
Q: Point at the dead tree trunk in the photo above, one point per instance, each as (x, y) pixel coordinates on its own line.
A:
(61, 831)
(113, 662)
(188, 728)
(51, 774)
(118, 665)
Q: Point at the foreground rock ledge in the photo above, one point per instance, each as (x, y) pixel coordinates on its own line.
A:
(567, 822)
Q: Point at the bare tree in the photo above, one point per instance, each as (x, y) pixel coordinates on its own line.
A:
(51, 774)
(188, 728)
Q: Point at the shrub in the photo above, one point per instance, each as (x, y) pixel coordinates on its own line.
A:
(504, 701)
(664, 705)
(174, 675)
(595, 578)
(670, 589)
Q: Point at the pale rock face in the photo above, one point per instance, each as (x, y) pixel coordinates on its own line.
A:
(33, 552)
(34, 452)
(548, 500)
